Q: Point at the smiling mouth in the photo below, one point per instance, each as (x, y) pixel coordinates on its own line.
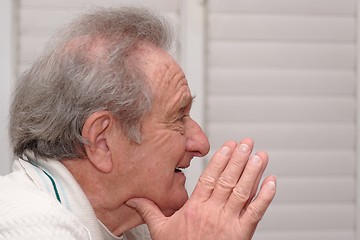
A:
(179, 169)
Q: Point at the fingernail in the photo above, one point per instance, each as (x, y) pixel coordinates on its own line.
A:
(131, 204)
(255, 159)
(225, 151)
(243, 148)
(270, 186)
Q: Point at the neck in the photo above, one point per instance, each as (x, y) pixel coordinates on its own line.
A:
(118, 220)
(109, 206)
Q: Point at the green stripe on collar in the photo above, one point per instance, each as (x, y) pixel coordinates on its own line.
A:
(54, 186)
(51, 179)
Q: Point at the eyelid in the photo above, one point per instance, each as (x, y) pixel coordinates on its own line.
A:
(182, 114)
(185, 111)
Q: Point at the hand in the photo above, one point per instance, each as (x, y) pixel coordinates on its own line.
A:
(222, 205)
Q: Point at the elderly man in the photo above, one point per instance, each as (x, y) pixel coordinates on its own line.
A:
(101, 127)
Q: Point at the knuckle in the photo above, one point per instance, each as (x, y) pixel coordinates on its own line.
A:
(207, 181)
(190, 211)
(239, 162)
(241, 193)
(225, 182)
(218, 163)
(146, 213)
(254, 213)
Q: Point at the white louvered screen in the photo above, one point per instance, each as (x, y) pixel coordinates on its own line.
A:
(7, 75)
(284, 73)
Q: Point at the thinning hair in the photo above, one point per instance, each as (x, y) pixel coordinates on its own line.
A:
(85, 68)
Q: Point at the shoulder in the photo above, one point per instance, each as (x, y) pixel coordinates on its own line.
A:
(27, 212)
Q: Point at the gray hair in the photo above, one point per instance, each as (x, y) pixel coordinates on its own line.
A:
(87, 67)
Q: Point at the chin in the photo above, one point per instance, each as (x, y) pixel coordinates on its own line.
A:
(180, 201)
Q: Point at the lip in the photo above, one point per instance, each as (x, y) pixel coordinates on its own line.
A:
(180, 175)
(184, 164)
(179, 169)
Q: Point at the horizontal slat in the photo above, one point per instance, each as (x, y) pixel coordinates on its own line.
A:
(280, 108)
(324, 234)
(31, 47)
(309, 162)
(307, 217)
(286, 55)
(161, 4)
(285, 135)
(284, 27)
(282, 81)
(315, 189)
(285, 6)
(32, 20)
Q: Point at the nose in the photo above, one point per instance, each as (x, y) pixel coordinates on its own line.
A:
(197, 141)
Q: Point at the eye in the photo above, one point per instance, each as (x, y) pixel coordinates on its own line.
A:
(183, 114)
(182, 118)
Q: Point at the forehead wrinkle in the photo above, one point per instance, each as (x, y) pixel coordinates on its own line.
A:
(187, 96)
(180, 85)
(183, 83)
(168, 78)
(181, 79)
(184, 99)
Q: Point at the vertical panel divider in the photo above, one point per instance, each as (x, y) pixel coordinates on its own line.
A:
(7, 76)
(357, 144)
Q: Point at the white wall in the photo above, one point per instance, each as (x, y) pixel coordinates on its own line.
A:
(286, 72)
(7, 74)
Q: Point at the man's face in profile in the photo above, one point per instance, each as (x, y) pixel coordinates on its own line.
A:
(170, 138)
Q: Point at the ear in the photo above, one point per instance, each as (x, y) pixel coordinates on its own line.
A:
(96, 131)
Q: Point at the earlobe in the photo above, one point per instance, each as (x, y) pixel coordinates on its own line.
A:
(95, 131)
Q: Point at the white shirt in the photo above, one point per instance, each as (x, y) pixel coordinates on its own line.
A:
(42, 200)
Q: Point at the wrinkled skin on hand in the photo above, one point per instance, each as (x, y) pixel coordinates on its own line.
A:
(224, 204)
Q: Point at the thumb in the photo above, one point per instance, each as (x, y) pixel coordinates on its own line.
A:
(148, 211)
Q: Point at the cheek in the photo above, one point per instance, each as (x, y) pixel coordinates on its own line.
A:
(168, 149)
(162, 182)
(162, 154)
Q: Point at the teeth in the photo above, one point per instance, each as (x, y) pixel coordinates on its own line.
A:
(177, 170)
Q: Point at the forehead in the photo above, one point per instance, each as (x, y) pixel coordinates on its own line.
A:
(165, 77)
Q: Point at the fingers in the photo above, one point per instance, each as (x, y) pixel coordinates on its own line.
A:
(264, 158)
(210, 176)
(256, 209)
(241, 193)
(148, 211)
(230, 176)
